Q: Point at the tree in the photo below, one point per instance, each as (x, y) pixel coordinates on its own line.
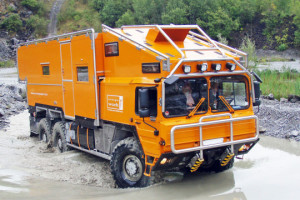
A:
(126, 19)
(176, 13)
(219, 21)
(112, 11)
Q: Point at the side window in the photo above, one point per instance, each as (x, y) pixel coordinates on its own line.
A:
(152, 101)
(82, 74)
(111, 49)
(46, 70)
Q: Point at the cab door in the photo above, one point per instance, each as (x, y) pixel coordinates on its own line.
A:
(67, 79)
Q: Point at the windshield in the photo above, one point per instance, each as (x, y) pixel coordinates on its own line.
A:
(183, 95)
(231, 88)
(227, 93)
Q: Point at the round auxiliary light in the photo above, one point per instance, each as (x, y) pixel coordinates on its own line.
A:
(186, 69)
(163, 161)
(202, 67)
(230, 66)
(216, 67)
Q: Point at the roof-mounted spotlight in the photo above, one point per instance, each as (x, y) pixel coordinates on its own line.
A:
(202, 67)
(186, 69)
(216, 67)
(230, 66)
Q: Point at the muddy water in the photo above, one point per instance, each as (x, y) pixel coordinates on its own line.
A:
(28, 170)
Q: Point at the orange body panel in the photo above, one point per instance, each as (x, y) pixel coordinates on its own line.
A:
(76, 98)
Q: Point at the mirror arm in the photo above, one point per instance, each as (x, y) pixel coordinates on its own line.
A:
(156, 132)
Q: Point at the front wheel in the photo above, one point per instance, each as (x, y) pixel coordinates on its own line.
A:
(127, 164)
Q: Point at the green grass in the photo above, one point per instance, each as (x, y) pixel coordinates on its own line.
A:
(6, 64)
(264, 60)
(280, 84)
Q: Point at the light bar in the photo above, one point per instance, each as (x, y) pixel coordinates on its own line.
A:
(216, 67)
(230, 66)
(202, 67)
(186, 69)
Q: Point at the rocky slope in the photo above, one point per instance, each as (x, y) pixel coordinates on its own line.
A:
(12, 101)
(8, 38)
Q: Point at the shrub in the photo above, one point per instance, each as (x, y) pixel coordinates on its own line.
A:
(12, 23)
(248, 46)
(38, 24)
(282, 47)
(32, 5)
(222, 39)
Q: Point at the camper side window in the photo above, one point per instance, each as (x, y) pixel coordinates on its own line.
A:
(46, 70)
(82, 74)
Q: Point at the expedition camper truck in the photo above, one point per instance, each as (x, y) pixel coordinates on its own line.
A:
(149, 97)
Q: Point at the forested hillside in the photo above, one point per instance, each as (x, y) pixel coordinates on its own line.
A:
(21, 20)
(273, 24)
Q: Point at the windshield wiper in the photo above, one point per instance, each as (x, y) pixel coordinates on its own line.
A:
(231, 110)
(191, 114)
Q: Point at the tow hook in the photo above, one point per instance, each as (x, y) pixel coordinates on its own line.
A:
(195, 163)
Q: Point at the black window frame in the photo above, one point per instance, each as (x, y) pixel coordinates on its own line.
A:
(247, 93)
(46, 73)
(111, 54)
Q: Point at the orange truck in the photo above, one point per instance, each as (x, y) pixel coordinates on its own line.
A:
(146, 97)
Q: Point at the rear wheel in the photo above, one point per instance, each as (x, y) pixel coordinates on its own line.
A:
(127, 164)
(59, 137)
(44, 130)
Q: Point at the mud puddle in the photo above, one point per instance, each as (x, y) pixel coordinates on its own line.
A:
(28, 170)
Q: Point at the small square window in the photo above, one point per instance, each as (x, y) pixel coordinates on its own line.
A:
(111, 49)
(46, 70)
(82, 74)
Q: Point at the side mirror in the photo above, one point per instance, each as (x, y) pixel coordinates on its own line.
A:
(257, 93)
(143, 104)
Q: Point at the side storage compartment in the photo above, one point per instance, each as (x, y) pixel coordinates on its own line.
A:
(104, 137)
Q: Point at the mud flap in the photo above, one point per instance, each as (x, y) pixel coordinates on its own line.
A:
(226, 157)
(195, 163)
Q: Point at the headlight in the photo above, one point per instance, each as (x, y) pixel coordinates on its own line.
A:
(186, 69)
(216, 67)
(202, 67)
(230, 66)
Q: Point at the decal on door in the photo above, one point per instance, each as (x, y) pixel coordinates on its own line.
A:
(115, 103)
